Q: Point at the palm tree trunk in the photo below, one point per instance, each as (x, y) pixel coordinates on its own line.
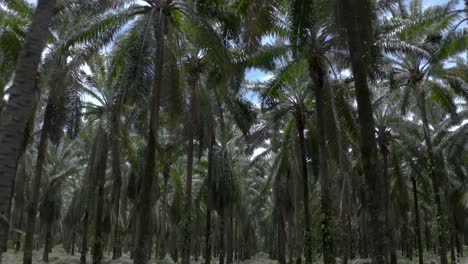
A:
(174, 252)
(210, 200)
(47, 245)
(164, 232)
(89, 190)
(230, 237)
(188, 202)
(32, 210)
(20, 186)
(290, 238)
(116, 175)
(145, 198)
(363, 226)
(222, 244)
(191, 125)
(281, 239)
(428, 233)
(101, 164)
(305, 178)
(441, 216)
(72, 251)
(388, 207)
(417, 225)
(318, 75)
(19, 109)
(359, 14)
(84, 237)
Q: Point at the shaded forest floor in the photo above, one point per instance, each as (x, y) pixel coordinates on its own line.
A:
(60, 257)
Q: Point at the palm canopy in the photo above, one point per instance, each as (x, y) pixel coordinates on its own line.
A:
(354, 145)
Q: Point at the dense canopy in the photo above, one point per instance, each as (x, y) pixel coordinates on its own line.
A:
(222, 131)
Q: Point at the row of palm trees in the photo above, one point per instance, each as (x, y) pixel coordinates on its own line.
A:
(366, 104)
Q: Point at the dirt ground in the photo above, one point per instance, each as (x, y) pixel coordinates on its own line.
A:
(58, 256)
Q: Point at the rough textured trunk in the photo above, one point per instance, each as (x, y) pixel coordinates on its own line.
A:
(222, 248)
(145, 196)
(101, 164)
(191, 126)
(358, 18)
(318, 75)
(383, 141)
(229, 235)
(188, 202)
(32, 209)
(453, 257)
(428, 233)
(291, 237)
(305, 179)
(89, 192)
(116, 174)
(72, 251)
(20, 186)
(19, 109)
(163, 239)
(441, 216)
(363, 227)
(47, 244)
(174, 252)
(210, 201)
(417, 224)
(281, 241)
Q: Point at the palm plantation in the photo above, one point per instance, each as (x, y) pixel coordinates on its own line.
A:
(166, 131)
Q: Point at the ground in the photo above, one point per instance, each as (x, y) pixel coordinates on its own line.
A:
(60, 257)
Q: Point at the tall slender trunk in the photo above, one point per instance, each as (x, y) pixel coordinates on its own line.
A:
(174, 252)
(383, 141)
(164, 232)
(19, 109)
(47, 244)
(344, 168)
(281, 241)
(291, 238)
(428, 233)
(318, 75)
(20, 186)
(417, 224)
(84, 237)
(32, 210)
(363, 226)
(359, 16)
(101, 164)
(145, 196)
(191, 126)
(453, 257)
(116, 174)
(90, 189)
(222, 247)
(441, 216)
(210, 200)
(308, 230)
(229, 235)
(72, 250)
(188, 202)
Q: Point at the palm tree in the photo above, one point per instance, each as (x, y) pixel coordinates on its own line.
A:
(63, 165)
(358, 22)
(421, 73)
(288, 93)
(95, 173)
(101, 163)
(19, 108)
